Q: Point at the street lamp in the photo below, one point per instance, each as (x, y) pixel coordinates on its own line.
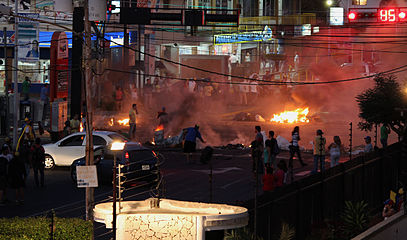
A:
(116, 146)
(329, 2)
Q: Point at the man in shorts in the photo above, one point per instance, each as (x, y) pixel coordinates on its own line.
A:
(190, 141)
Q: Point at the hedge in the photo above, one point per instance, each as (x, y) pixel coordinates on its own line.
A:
(39, 228)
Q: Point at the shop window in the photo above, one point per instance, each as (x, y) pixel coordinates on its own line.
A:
(359, 2)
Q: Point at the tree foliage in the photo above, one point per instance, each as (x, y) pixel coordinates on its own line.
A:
(380, 104)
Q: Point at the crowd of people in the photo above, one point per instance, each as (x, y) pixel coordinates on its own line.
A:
(275, 173)
(16, 165)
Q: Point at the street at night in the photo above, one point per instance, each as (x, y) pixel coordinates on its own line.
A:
(203, 120)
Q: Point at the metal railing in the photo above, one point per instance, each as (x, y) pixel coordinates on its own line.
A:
(319, 197)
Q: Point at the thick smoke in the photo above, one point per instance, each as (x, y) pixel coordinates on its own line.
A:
(332, 106)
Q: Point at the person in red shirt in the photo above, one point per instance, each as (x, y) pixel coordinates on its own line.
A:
(268, 179)
(279, 176)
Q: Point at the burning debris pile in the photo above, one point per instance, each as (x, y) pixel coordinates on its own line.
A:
(171, 141)
(122, 122)
(297, 116)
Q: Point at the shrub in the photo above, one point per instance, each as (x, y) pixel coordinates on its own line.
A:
(39, 228)
(355, 217)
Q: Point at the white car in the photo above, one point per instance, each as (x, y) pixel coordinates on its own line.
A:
(69, 148)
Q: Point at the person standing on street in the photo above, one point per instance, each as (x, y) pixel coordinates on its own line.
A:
(25, 88)
(295, 148)
(335, 150)
(368, 146)
(17, 176)
(268, 180)
(148, 93)
(119, 98)
(319, 152)
(257, 151)
(38, 161)
(384, 134)
(75, 124)
(190, 141)
(44, 101)
(271, 150)
(132, 121)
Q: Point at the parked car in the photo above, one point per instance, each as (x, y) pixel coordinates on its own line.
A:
(140, 164)
(69, 148)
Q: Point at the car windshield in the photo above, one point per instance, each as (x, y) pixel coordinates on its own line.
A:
(117, 137)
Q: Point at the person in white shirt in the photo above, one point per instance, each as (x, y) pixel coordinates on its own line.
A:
(296, 61)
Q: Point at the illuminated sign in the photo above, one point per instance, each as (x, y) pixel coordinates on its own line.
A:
(382, 15)
(336, 16)
(256, 36)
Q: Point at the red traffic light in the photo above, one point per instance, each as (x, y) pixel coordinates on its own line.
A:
(352, 16)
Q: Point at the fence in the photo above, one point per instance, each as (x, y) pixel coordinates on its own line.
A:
(313, 199)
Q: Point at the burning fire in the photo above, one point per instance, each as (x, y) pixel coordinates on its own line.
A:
(296, 116)
(159, 128)
(124, 122)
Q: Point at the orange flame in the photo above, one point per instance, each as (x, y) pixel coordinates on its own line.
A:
(159, 128)
(111, 122)
(124, 122)
(296, 116)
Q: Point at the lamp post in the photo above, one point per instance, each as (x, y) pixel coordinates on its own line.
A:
(116, 146)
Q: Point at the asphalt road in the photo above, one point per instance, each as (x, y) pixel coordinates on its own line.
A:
(233, 182)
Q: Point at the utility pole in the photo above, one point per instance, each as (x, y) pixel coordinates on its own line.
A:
(6, 67)
(16, 112)
(89, 109)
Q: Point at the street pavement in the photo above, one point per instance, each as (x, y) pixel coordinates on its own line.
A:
(233, 183)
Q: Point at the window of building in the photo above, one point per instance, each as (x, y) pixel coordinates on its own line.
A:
(359, 2)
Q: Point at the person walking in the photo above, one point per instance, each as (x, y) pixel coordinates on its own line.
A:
(295, 148)
(17, 176)
(132, 121)
(190, 141)
(25, 88)
(384, 134)
(38, 161)
(28, 130)
(163, 118)
(335, 150)
(75, 124)
(319, 151)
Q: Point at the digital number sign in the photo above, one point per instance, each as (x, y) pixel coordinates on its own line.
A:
(382, 15)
